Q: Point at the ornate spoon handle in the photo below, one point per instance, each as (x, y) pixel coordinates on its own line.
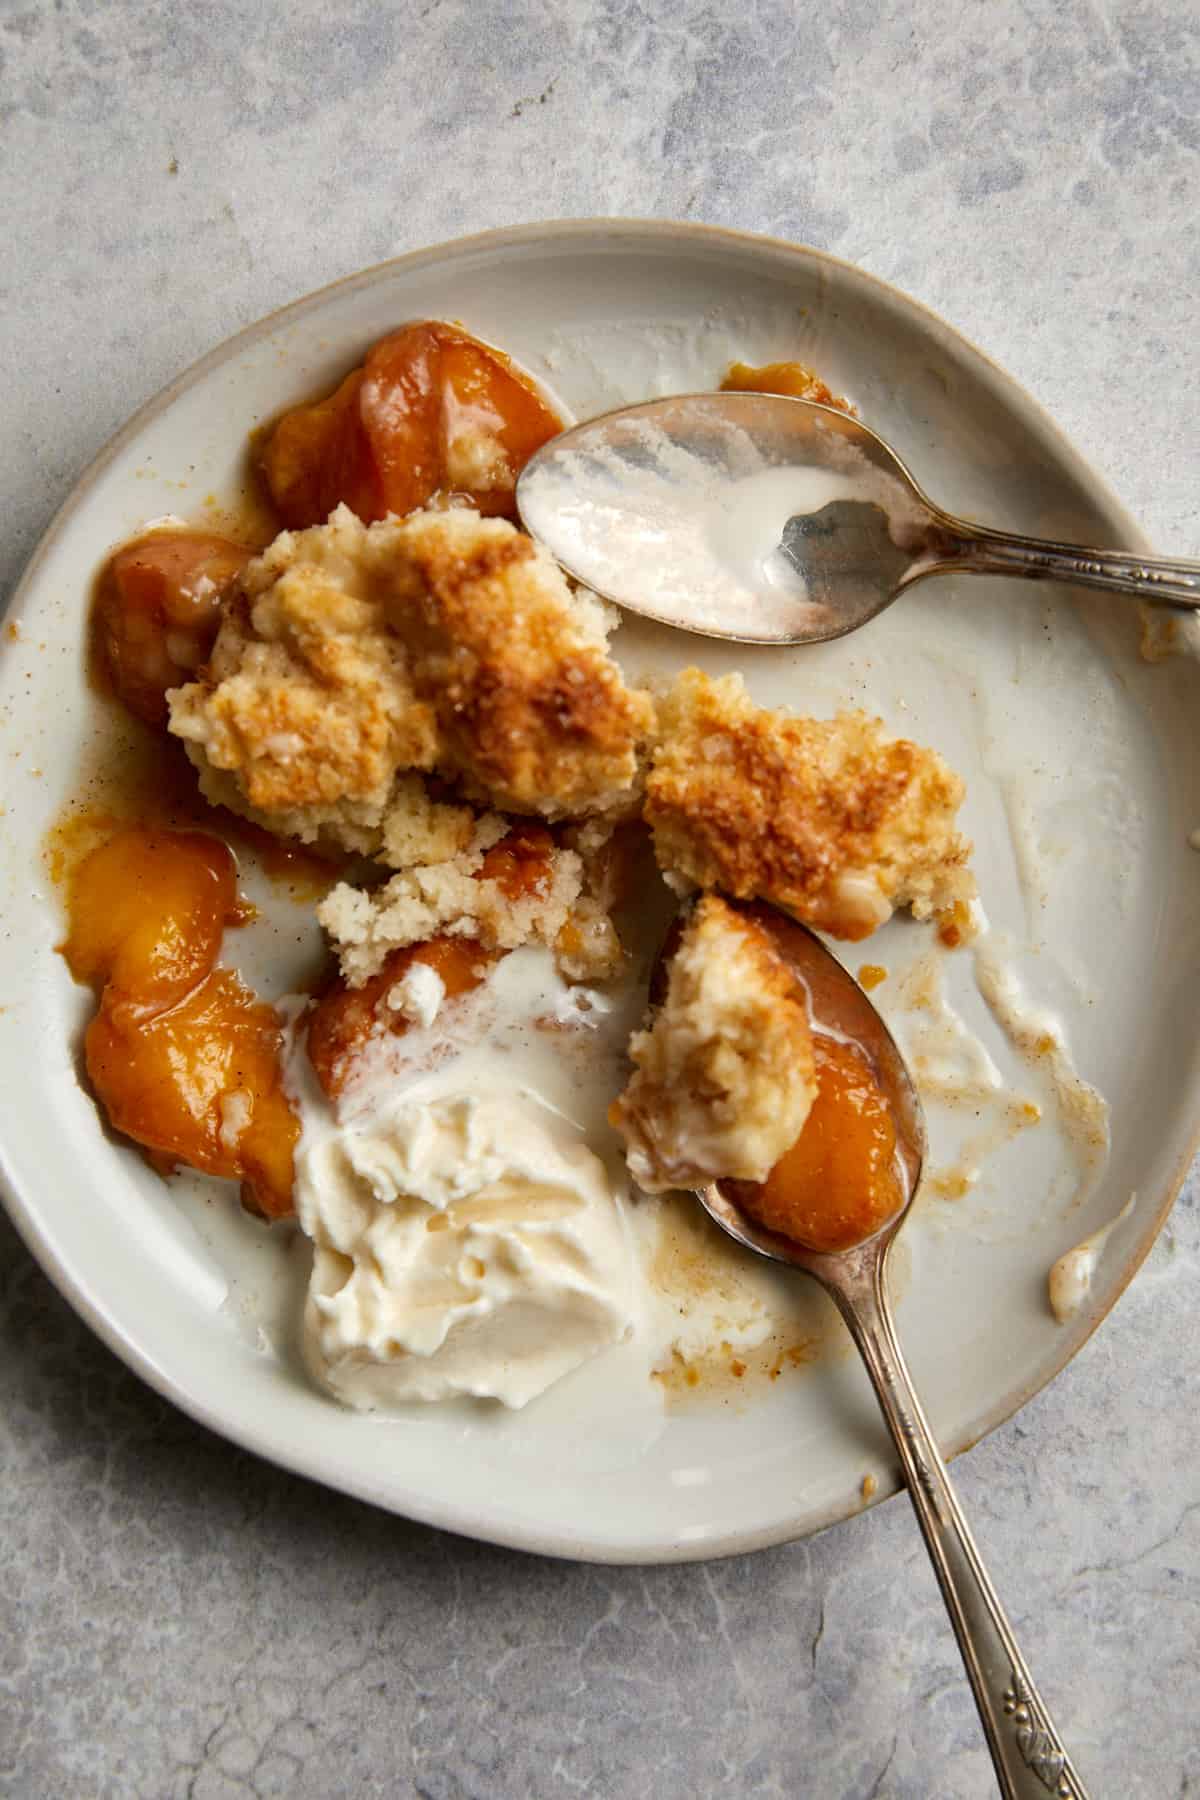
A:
(1026, 1749)
(1173, 582)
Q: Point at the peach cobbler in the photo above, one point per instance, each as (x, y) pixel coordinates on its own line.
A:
(404, 687)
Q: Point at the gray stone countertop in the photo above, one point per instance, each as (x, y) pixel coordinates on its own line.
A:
(177, 1618)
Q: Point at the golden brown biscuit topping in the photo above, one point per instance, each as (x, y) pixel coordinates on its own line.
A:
(830, 819)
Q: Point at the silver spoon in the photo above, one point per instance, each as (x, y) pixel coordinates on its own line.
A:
(1028, 1754)
(772, 520)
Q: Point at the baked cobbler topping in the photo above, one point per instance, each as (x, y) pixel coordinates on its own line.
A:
(459, 897)
(829, 819)
(354, 658)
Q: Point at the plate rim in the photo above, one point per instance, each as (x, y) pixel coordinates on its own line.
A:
(73, 1283)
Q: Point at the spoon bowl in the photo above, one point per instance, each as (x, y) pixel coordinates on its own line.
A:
(770, 520)
(1027, 1753)
(834, 998)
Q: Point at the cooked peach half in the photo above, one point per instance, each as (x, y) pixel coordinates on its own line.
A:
(147, 912)
(201, 1084)
(158, 605)
(184, 1058)
(431, 412)
(838, 1184)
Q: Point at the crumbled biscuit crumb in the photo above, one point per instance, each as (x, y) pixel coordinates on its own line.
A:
(418, 829)
(455, 898)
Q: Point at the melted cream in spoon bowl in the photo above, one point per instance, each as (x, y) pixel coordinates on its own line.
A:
(683, 512)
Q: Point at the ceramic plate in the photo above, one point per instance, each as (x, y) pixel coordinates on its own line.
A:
(1083, 773)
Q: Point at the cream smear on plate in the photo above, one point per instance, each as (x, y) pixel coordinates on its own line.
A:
(975, 1108)
(1070, 1280)
(1039, 1038)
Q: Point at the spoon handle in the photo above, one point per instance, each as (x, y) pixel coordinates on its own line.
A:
(1173, 582)
(1028, 1754)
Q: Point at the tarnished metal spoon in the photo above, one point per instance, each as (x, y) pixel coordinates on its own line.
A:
(771, 520)
(1029, 1758)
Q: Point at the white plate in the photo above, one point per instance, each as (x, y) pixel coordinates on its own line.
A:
(1084, 782)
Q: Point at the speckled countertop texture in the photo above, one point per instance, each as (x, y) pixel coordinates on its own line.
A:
(176, 1618)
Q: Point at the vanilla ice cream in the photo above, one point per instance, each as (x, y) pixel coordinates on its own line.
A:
(463, 1244)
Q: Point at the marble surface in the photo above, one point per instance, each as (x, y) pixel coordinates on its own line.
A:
(176, 1618)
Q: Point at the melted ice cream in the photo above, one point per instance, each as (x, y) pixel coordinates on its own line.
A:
(1070, 1280)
